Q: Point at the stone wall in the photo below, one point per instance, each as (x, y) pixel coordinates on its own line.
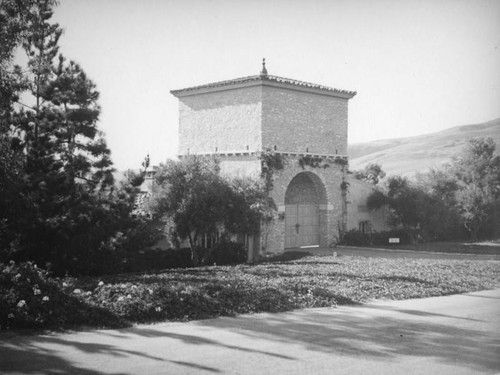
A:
(221, 121)
(331, 212)
(241, 165)
(298, 121)
(257, 117)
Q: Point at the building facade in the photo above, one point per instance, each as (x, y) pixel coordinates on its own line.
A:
(358, 216)
(305, 123)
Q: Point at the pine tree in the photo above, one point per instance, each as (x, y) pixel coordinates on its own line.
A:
(62, 211)
(59, 205)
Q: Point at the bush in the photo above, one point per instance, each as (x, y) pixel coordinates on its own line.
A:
(152, 260)
(29, 298)
(355, 237)
(382, 238)
(226, 253)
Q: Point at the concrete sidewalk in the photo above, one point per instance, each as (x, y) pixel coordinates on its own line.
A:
(457, 334)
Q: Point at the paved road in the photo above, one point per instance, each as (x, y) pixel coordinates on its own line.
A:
(394, 253)
(445, 335)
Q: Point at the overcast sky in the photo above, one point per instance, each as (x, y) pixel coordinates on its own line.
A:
(418, 66)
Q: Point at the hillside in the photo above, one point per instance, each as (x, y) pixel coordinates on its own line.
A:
(406, 156)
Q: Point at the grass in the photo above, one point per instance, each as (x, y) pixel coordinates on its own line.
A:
(187, 294)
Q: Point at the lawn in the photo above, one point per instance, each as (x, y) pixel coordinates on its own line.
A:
(199, 293)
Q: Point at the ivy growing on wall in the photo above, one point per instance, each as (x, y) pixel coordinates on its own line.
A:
(344, 186)
(313, 162)
(318, 162)
(271, 163)
(340, 161)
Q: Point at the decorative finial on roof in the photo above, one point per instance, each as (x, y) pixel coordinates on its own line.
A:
(263, 72)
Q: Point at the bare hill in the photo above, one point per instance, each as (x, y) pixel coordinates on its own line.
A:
(406, 156)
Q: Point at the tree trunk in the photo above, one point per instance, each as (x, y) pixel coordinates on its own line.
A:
(195, 259)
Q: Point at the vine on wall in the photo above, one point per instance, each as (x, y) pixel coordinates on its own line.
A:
(318, 162)
(313, 162)
(271, 163)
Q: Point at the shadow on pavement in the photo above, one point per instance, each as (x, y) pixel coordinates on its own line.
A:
(198, 340)
(373, 331)
(379, 337)
(29, 355)
(41, 361)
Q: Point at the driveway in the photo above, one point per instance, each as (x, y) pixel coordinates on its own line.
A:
(393, 253)
(457, 334)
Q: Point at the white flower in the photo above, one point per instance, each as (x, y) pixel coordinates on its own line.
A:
(120, 299)
(150, 291)
(129, 296)
(21, 304)
(77, 291)
(158, 309)
(45, 298)
(65, 285)
(100, 283)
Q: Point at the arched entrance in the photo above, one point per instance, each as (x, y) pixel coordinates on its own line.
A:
(303, 198)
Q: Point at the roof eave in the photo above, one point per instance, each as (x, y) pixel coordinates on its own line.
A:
(263, 81)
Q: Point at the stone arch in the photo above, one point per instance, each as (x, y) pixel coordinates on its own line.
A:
(304, 197)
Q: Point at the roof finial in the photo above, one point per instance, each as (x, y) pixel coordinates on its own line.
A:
(263, 72)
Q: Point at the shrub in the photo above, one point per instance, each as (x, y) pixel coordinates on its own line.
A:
(225, 253)
(151, 260)
(355, 237)
(29, 298)
(382, 238)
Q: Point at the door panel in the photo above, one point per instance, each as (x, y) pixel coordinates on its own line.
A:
(301, 225)
(291, 220)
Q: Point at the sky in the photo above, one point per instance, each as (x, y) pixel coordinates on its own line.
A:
(419, 66)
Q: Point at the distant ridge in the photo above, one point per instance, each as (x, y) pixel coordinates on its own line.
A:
(406, 156)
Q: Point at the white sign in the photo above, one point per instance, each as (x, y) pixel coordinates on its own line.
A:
(393, 240)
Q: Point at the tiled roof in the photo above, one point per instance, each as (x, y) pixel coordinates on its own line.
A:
(263, 78)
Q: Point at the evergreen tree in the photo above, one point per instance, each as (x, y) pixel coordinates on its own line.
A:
(59, 206)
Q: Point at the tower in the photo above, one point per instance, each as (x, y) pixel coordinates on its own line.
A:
(303, 122)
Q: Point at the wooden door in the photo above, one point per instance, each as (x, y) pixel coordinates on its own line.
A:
(301, 225)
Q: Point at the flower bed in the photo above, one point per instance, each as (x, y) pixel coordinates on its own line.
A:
(186, 294)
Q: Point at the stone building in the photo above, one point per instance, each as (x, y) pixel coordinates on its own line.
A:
(358, 215)
(305, 123)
